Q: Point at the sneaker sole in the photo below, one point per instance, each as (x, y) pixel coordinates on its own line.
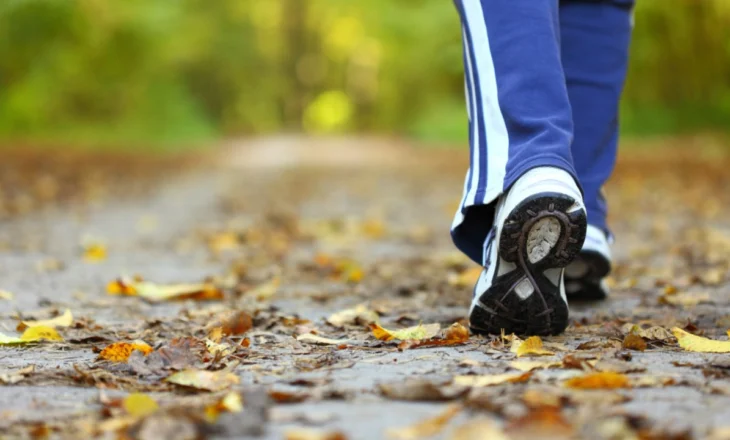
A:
(539, 234)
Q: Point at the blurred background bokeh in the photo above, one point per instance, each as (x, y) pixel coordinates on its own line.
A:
(175, 74)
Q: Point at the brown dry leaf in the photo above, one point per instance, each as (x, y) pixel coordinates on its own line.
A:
(311, 434)
(685, 299)
(601, 380)
(120, 351)
(492, 379)
(531, 346)
(164, 292)
(699, 344)
(420, 390)
(534, 365)
(479, 429)
(139, 405)
(541, 422)
(467, 278)
(654, 333)
(94, 252)
(204, 380)
(359, 315)
(32, 334)
(454, 335)
(63, 320)
(417, 333)
(314, 339)
(9, 377)
(634, 342)
(231, 324)
(425, 428)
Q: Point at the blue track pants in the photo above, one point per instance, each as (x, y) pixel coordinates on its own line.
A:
(543, 82)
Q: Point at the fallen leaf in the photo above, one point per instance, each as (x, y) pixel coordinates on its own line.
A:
(654, 333)
(479, 429)
(139, 405)
(94, 253)
(531, 346)
(417, 333)
(534, 365)
(231, 403)
(493, 379)
(359, 315)
(32, 334)
(4, 294)
(455, 334)
(311, 434)
(64, 320)
(314, 339)
(120, 351)
(9, 377)
(425, 428)
(204, 380)
(691, 342)
(164, 292)
(634, 342)
(601, 380)
(420, 390)
(217, 349)
(685, 299)
(542, 422)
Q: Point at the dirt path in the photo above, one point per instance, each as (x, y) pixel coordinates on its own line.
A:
(292, 242)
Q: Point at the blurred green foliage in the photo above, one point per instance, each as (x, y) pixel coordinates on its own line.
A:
(182, 71)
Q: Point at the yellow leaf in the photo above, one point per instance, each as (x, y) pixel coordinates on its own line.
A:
(634, 342)
(164, 292)
(32, 334)
(4, 294)
(139, 405)
(699, 344)
(358, 315)
(602, 380)
(411, 333)
(531, 346)
(491, 379)
(231, 402)
(64, 320)
(120, 351)
(426, 428)
(204, 380)
(40, 333)
(95, 252)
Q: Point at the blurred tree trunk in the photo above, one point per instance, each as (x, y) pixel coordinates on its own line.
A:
(295, 31)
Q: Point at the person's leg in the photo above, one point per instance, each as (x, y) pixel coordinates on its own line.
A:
(517, 102)
(595, 37)
(522, 215)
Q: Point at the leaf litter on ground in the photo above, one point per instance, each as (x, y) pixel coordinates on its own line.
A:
(154, 292)
(64, 320)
